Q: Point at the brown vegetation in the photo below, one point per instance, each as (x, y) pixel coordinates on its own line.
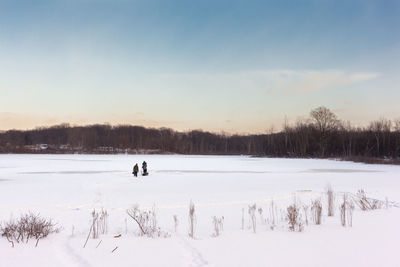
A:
(28, 226)
(294, 218)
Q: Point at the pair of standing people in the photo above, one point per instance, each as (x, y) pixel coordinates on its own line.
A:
(144, 169)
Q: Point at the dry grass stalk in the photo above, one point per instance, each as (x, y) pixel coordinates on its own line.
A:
(192, 219)
(305, 211)
(252, 217)
(346, 211)
(176, 223)
(242, 218)
(218, 223)
(272, 215)
(316, 210)
(331, 201)
(260, 211)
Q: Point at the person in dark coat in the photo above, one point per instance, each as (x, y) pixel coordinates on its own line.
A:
(144, 167)
(135, 170)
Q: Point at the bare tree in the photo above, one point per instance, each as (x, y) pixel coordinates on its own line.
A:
(325, 121)
(396, 125)
(381, 129)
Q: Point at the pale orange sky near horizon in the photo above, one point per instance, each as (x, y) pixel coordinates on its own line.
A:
(233, 102)
(10, 121)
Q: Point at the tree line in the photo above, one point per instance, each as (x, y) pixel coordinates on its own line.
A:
(322, 135)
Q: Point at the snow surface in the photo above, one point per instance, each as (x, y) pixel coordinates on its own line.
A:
(67, 188)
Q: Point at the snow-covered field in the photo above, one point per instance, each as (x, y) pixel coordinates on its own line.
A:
(67, 188)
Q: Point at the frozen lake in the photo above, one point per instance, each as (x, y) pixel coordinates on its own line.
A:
(86, 181)
(68, 187)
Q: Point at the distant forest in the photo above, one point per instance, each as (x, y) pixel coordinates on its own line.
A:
(322, 135)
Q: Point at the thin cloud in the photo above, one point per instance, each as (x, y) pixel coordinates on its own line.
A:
(309, 81)
(267, 80)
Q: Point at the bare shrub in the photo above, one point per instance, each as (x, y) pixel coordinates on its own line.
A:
(252, 217)
(362, 202)
(147, 222)
(331, 201)
(218, 223)
(365, 203)
(28, 226)
(192, 219)
(316, 210)
(294, 218)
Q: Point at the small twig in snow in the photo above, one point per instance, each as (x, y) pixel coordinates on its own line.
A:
(99, 243)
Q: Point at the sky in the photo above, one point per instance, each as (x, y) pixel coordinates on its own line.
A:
(221, 66)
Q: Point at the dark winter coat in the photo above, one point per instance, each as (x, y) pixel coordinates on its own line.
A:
(136, 168)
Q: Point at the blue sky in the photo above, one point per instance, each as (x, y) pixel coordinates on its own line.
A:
(234, 66)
